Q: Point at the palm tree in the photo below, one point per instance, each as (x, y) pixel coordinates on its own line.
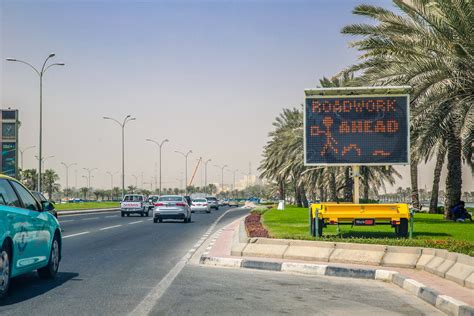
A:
(29, 177)
(49, 178)
(429, 47)
(84, 191)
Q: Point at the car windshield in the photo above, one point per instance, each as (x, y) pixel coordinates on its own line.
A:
(211, 198)
(200, 200)
(133, 198)
(171, 198)
(154, 198)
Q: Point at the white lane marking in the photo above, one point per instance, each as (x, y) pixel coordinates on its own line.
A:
(112, 216)
(135, 222)
(147, 304)
(110, 227)
(69, 220)
(74, 235)
(85, 214)
(87, 219)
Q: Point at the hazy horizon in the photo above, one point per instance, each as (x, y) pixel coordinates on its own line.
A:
(210, 76)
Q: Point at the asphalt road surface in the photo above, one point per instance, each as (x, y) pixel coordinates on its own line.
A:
(200, 290)
(112, 265)
(109, 264)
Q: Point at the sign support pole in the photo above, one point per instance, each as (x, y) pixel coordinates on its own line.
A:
(356, 175)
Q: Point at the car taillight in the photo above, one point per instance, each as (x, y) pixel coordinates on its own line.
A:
(205, 204)
(179, 204)
(159, 204)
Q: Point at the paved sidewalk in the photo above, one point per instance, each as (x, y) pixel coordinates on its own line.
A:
(222, 247)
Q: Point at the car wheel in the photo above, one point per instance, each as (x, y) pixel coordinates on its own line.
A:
(5, 272)
(208, 211)
(50, 271)
(128, 215)
(160, 220)
(123, 214)
(155, 220)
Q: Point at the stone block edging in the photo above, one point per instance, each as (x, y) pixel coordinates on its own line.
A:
(456, 267)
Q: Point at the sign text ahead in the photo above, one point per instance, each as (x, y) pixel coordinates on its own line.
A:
(356, 130)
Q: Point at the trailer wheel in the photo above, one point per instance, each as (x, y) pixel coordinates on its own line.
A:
(402, 229)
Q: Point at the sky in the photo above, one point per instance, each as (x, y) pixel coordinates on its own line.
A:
(210, 76)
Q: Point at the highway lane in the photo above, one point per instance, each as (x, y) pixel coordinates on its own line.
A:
(109, 264)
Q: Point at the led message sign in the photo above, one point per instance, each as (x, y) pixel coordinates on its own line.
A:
(356, 130)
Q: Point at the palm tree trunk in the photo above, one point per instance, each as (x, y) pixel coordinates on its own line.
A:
(281, 189)
(332, 185)
(348, 185)
(437, 175)
(322, 193)
(414, 183)
(365, 175)
(453, 179)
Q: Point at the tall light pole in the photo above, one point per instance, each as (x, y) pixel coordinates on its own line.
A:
(89, 171)
(21, 154)
(205, 172)
(40, 73)
(127, 119)
(234, 171)
(160, 145)
(222, 175)
(67, 174)
(111, 179)
(136, 180)
(185, 169)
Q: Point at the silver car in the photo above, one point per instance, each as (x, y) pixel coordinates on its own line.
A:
(171, 207)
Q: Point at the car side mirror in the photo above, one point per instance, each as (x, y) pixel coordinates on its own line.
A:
(47, 206)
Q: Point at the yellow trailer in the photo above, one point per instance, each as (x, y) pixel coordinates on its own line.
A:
(399, 216)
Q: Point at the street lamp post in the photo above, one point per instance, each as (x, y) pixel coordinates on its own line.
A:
(205, 172)
(89, 171)
(233, 171)
(127, 119)
(111, 179)
(21, 154)
(185, 169)
(44, 68)
(222, 175)
(160, 145)
(67, 175)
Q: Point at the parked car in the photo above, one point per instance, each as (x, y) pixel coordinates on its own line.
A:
(172, 207)
(41, 198)
(30, 236)
(212, 202)
(135, 204)
(200, 205)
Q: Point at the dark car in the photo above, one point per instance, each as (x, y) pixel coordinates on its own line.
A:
(188, 199)
(41, 198)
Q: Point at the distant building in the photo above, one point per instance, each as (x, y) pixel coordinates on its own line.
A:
(9, 142)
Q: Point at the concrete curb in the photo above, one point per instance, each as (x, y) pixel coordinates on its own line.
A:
(75, 212)
(444, 303)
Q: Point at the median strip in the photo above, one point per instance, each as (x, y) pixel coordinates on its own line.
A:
(74, 235)
(110, 227)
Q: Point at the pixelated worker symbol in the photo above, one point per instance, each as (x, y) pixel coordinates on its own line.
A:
(330, 141)
(382, 153)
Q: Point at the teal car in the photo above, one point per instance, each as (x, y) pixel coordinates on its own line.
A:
(30, 236)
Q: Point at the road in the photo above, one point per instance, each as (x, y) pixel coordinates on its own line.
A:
(109, 264)
(112, 265)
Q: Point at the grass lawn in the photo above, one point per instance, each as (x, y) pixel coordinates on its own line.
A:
(85, 205)
(430, 230)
